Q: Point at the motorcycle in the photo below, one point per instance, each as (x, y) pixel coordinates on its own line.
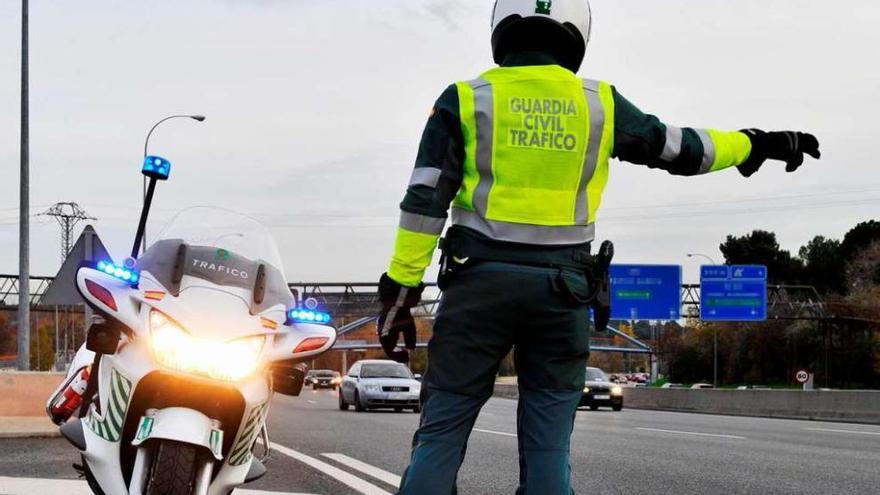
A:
(189, 343)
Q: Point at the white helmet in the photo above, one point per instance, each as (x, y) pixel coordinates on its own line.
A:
(573, 16)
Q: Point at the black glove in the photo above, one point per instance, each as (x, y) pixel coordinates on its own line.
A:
(395, 318)
(788, 146)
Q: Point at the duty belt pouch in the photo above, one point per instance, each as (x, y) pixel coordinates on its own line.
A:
(450, 264)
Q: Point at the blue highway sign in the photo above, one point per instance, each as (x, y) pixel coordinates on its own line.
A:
(645, 292)
(733, 293)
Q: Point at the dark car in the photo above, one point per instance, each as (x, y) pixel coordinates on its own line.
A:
(325, 379)
(600, 392)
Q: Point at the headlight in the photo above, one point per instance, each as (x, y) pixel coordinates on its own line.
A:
(586, 390)
(615, 390)
(174, 348)
(373, 388)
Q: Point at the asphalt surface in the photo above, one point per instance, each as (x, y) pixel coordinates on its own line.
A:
(322, 450)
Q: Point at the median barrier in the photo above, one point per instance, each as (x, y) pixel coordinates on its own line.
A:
(858, 406)
(854, 406)
(26, 393)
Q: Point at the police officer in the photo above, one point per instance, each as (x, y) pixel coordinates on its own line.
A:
(521, 153)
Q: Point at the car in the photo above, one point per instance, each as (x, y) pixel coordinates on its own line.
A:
(379, 384)
(672, 385)
(600, 392)
(701, 386)
(308, 379)
(325, 379)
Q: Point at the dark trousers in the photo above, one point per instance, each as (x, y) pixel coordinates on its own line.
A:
(488, 309)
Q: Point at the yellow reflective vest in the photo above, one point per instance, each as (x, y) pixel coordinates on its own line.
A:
(536, 141)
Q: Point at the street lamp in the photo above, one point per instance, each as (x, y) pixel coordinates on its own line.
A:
(197, 118)
(691, 255)
(715, 350)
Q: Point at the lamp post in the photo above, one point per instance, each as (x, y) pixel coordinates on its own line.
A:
(691, 255)
(24, 276)
(197, 118)
(715, 350)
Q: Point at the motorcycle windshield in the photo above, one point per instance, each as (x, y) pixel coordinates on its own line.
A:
(220, 249)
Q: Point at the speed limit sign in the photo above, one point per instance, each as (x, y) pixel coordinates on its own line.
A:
(802, 376)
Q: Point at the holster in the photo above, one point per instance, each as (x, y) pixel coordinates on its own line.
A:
(600, 278)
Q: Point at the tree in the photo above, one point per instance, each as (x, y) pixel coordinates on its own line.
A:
(8, 337)
(825, 268)
(761, 248)
(860, 237)
(43, 347)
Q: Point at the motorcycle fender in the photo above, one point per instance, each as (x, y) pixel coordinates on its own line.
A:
(181, 425)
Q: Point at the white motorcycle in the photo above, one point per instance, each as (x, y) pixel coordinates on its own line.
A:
(192, 341)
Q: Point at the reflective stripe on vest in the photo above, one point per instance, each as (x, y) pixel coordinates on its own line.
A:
(568, 205)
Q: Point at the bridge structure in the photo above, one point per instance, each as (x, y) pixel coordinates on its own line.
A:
(355, 305)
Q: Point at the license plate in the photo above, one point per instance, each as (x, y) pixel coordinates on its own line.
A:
(398, 396)
(602, 397)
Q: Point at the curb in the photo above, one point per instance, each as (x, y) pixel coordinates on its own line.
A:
(4, 435)
(27, 427)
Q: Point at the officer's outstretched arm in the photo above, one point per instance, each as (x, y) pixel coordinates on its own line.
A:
(434, 183)
(645, 140)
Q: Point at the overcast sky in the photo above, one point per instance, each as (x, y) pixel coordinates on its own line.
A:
(315, 109)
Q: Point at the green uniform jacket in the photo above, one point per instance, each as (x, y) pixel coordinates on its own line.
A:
(638, 138)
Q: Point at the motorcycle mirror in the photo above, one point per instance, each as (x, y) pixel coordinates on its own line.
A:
(103, 337)
(289, 380)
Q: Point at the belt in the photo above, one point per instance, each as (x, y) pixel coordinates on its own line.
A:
(464, 243)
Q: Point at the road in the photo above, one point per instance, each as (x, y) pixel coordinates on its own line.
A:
(321, 450)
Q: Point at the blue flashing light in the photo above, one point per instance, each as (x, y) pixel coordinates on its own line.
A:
(156, 167)
(124, 274)
(307, 316)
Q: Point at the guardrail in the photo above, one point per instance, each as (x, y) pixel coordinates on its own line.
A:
(852, 406)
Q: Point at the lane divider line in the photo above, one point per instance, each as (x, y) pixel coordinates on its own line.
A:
(694, 433)
(853, 432)
(351, 480)
(380, 474)
(493, 432)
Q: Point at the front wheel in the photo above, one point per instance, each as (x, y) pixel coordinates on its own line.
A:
(173, 471)
(343, 406)
(617, 407)
(357, 403)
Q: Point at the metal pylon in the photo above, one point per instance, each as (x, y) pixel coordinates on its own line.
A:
(68, 215)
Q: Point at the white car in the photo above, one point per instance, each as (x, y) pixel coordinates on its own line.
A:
(379, 384)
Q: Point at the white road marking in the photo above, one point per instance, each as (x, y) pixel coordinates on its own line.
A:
(493, 432)
(29, 486)
(239, 491)
(694, 433)
(311, 402)
(352, 481)
(854, 432)
(380, 474)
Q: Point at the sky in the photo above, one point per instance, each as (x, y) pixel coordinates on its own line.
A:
(315, 109)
